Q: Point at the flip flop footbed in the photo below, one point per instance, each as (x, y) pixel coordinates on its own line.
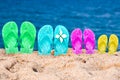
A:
(113, 44)
(45, 38)
(102, 43)
(61, 39)
(27, 37)
(76, 40)
(90, 45)
(89, 40)
(10, 37)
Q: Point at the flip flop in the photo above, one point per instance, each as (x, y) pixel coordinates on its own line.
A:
(113, 43)
(89, 40)
(61, 39)
(76, 40)
(102, 43)
(27, 37)
(45, 38)
(10, 37)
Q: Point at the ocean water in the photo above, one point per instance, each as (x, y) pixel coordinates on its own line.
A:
(102, 16)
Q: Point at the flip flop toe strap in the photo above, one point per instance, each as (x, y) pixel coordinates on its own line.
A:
(89, 45)
(112, 47)
(11, 40)
(45, 45)
(27, 43)
(60, 48)
(77, 45)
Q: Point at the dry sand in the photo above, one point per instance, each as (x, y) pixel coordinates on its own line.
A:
(69, 67)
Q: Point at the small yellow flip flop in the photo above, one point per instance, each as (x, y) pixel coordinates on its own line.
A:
(102, 43)
(113, 44)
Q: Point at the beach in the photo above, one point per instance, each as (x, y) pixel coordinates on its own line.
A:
(65, 67)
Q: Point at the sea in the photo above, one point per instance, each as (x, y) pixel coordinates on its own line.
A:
(101, 16)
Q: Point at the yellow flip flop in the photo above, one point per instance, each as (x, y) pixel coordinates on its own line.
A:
(102, 43)
(113, 44)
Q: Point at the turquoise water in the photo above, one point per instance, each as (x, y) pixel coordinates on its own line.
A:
(102, 16)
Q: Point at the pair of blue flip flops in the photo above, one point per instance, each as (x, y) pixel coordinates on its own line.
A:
(46, 43)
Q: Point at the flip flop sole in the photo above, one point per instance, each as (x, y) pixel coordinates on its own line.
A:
(76, 41)
(102, 43)
(10, 37)
(113, 44)
(45, 38)
(61, 39)
(89, 40)
(27, 37)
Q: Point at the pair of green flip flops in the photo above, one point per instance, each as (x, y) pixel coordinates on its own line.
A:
(11, 38)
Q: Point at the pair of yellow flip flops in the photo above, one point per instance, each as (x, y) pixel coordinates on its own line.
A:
(112, 44)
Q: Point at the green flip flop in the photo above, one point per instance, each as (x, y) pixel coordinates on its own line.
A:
(27, 37)
(10, 37)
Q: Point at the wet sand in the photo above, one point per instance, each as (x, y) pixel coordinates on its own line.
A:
(64, 67)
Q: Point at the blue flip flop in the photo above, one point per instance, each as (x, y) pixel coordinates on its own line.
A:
(45, 40)
(61, 40)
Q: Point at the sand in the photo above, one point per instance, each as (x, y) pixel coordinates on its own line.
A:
(68, 67)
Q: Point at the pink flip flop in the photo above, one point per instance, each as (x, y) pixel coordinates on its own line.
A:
(89, 40)
(76, 40)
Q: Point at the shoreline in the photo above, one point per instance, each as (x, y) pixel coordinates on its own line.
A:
(69, 53)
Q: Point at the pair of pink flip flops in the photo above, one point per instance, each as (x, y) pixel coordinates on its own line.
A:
(77, 42)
